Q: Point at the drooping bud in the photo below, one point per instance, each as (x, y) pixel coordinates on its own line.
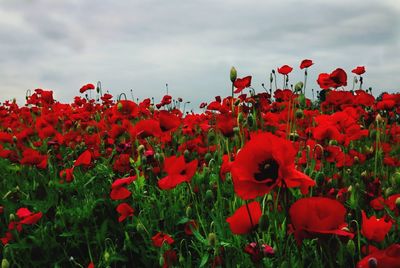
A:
(298, 87)
(351, 247)
(233, 74)
(212, 239)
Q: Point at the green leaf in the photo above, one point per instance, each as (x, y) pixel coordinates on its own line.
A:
(204, 260)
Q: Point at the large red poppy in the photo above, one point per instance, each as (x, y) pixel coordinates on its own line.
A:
(242, 83)
(315, 216)
(177, 172)
(263, 163)
(245, 218)
(337, 78)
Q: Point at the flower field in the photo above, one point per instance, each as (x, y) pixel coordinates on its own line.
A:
(254, 179)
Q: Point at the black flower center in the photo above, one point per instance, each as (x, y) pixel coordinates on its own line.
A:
(268, 171)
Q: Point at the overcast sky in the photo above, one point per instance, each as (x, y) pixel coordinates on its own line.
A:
(191, 45)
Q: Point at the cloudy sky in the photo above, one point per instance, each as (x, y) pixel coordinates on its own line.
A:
(191, 45)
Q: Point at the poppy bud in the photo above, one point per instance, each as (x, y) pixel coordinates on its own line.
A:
(397, 202)
(209, 195)
(307, 171)
(212, 239)
(186, 154)
(299, 113)
(395, 179)
(208, 157)
(364, 174)
(263, 223)
(5, 263)
(379, 118)
(298, 87)
(240, 119)
(189, 212)
(233, 74)
(181, 259)
(140, 148)
(388, 191)
(119, 106)
(250, 120)
(14, 138)
(271, 78)
(106, 256)
(140, 227)
(211, 136)
(319, 177)
(333, 142)
(351, 247)
(237, 102)
(159, 157)
(12, 217)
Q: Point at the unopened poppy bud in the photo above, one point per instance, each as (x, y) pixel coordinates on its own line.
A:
(271, 78)
(372, 263)
(237, 102)
(372, 133)
(294, 135)
(348, 171)
(233, 74)
(211, 136)
(319, 177)
(379, 118)
(9, 130)
(12, 217)
(208, 157)
(302, 100)
(395, 179)
(236, 130)
(299, 113)
(388, 191)
(186, 154)
(356, 159)
(298, 87)
(181, 259)
(212, 239)
(5, 263)
(209, 195)
(250, 120)
(140, 148)
(106, 256)
(263, 223)
(397, 202)
(364, 174)
(189, 212)
(350, 188)
(119, 106)
(140, 227)
(351, 247)
(159, 157)
(307, 171)
(240, 119)
(14, 138)
(333, 142)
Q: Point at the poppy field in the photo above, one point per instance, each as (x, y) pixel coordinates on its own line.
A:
(253, 179)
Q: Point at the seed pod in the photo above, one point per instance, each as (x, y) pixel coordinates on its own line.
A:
(5, 263)
(298, 87)
(233, 74)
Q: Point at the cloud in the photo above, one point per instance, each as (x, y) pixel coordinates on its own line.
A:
(191, 45)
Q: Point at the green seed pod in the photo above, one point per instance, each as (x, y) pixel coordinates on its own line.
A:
(233, 74)
(12, 217)
(263, 223)
(5, 263)
(106, 256)
(212, 239)
(298, 87)
(351, 247)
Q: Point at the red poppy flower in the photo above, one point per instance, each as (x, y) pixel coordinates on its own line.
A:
(386, 258)
(285, 69)
(125, 210)
(28, 217)
(242, 83)
(335, 79)
(258, 252)
(306, 64)
(118, 192)
(1, 209)
(160, 238)
(359, 70)
(263, 163)
(84, 159)
(122, 163)
(67, 174)
(91, 265)
(170, 258)
(177, 172)
(315, 216)
(86, 87)
(374, 229)
(240, 222)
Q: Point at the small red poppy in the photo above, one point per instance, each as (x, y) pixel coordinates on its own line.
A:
(359, 70)
(125, 210)
(374, 229)
(306, 63)
(285, 69)
(242, 83)
(245, 218)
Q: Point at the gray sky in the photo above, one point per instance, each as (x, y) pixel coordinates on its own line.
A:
(191, 45)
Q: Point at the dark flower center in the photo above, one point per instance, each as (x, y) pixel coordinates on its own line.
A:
(268, 171)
